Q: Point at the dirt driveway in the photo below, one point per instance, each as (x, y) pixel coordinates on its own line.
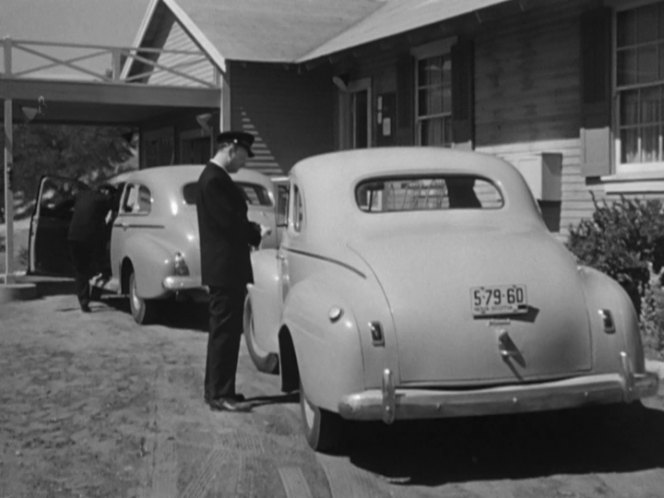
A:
(92, 405)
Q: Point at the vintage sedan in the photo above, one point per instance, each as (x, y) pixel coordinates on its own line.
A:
(417, 283)
(154, 252)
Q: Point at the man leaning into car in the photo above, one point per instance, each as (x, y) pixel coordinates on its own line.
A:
(87, 237)
(225, 239)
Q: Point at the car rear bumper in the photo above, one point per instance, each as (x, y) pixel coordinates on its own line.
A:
(390, 403)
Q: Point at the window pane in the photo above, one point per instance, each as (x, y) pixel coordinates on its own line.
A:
(431, 71)
(626, 67)
(647, 64)
(626, 28)
(647, 23)
(430, 102)
(629, 108)
(628, 139)
(650, 144)
(432, 132)
(650, 105)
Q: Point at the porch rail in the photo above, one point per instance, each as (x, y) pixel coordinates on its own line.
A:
(103, 63)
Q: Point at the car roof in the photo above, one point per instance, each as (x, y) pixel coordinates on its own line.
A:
(328, 181)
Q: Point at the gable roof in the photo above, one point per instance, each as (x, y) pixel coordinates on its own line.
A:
(293, 31)
(257, 30)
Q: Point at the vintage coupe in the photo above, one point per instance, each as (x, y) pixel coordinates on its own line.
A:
(154, 253)
(416, 283)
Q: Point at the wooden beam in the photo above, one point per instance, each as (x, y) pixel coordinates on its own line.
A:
(108, 93)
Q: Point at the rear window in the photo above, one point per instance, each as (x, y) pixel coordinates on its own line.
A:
(255, 195)
(420, 193)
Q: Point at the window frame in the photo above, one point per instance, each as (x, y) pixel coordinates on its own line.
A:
(639, 170)
(437, 48)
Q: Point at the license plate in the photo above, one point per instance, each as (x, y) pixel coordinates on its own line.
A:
(498, 300)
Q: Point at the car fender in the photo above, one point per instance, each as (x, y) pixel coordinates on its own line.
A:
(604, 293)
(152, 261)
(328, 347)
(265, 298)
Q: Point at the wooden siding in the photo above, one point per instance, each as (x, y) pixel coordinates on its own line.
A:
(289, 112)
(178, 39)
(527, 88)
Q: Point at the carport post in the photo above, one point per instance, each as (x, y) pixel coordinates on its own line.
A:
(9, 198)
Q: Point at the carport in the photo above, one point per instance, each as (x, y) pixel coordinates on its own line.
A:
(51, 83)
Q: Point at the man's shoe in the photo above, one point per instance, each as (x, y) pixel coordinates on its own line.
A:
(85, 308)
(228, 405)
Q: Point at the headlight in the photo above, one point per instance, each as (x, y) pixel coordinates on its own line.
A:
(180, 265)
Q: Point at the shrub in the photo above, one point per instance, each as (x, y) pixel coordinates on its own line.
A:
(625, 240)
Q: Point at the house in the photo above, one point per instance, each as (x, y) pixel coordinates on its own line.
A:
(569, 91)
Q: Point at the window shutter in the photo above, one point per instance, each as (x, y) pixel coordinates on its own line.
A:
(405, 98)
(463, 94)
(596, 92)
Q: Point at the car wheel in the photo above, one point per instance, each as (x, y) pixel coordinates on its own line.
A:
(264, 361)
(322, 428)
(143, 310)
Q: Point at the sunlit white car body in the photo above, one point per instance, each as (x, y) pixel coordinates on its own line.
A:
(376, 314)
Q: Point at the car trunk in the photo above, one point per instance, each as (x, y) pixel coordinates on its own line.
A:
(427, 280)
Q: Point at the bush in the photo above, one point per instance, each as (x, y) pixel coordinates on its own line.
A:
(625, 240)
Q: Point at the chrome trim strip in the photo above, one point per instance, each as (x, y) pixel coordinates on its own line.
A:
(325, 258)
(136, 225)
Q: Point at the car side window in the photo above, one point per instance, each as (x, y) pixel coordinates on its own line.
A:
(137, 200)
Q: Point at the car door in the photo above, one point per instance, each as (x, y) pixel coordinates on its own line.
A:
(47, 242)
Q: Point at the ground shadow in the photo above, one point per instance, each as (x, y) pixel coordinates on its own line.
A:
(174, 314)
(600, 439)
(280, 399)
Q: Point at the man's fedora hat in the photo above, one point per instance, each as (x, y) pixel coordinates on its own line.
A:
(240, 138)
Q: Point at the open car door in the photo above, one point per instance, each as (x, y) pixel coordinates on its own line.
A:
(49, 252)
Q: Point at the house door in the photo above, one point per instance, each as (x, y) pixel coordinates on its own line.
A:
(355, 112)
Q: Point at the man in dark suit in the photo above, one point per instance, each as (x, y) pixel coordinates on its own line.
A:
(225, 239)
(87, 237)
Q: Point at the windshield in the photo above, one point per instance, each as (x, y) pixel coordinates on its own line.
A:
(419, 193)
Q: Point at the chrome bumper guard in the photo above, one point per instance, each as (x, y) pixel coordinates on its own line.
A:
(391, 403)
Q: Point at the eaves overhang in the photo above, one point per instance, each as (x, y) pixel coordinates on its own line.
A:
(396, 17)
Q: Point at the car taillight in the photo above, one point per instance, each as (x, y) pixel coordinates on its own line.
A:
(180, 265)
